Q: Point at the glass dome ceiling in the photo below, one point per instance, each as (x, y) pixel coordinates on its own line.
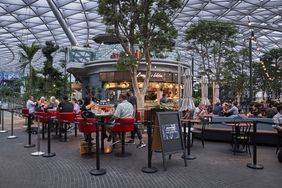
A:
(25, 21)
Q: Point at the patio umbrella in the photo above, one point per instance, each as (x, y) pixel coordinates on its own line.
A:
(215, 93)
(204, 86)
(187, 101)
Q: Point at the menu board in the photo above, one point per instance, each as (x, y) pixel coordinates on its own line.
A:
(171, 135)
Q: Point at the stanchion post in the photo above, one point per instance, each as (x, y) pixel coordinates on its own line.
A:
(149, 168)
(254, 165)
(2, 120)
(189, 156)
(12, 136)
(97, 171)
(29, 145)
(49, 153)
(38, 152)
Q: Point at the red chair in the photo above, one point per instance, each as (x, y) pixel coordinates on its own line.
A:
(41, 117)
(64, 119)
(87, 126)
(122, 126)
(25, 113)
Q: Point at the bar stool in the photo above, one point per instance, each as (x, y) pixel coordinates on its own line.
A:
(64, 119)
(25, 113)
(87, 126)
(43, 119)
(122, 126)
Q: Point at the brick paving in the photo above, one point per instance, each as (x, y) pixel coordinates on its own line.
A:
(215, 166)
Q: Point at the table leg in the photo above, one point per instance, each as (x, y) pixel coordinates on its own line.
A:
(254, 165)
(97, 171)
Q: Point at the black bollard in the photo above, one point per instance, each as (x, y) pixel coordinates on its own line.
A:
(254, 165)
(49, 153)
(29, 145)
(12, 136)
(149, 168)
(98, 171)
(2, 120)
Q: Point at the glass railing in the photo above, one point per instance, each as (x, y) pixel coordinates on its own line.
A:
(106, 52)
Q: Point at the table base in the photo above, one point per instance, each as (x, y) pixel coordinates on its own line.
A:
(49, 155)
(29, 146)
(12, 137)
(255, 166)
(149, 170)
(37, 153)
(189, 157)
(99, 172)
(3, 131)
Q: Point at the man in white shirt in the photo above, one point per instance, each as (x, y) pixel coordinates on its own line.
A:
(30, 105)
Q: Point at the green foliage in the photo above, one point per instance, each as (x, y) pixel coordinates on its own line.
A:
(26, 57)
(213, 41)
(146, 23)
(235, 79)
(55, 82)
(266, 73)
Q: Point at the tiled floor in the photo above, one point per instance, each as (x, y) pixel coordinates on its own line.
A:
(215, 166)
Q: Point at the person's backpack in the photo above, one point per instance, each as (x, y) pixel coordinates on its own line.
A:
(279, 155)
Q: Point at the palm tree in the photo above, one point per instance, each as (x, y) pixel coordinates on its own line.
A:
(26, 58)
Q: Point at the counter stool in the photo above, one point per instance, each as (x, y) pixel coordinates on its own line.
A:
(25, 113)
(122, 126)
(41, 117)
(64, 119)
(87, 126)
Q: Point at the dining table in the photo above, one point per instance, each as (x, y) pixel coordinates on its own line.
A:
(101, 119)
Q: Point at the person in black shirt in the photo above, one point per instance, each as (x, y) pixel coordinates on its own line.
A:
(65, 105)
(132, 99)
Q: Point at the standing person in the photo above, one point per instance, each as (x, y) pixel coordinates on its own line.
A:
(132, 99)
(163, 99)
(65, 105)
(30, 105)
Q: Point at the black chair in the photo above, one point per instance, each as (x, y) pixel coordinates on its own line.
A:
(198, 132)
(241, 137)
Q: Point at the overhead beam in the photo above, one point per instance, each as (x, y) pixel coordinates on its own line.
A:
(63, 23)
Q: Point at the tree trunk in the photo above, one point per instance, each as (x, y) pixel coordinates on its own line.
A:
(140, 93)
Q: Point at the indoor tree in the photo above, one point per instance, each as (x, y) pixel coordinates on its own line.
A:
(54, 79)
(145, 23)
(212, 41)
(26, 58)
(267, 72)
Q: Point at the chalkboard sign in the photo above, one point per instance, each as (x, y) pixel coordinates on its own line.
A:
(170, 131)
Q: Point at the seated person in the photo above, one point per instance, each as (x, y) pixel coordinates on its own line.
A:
(53, 103)
(199, 111)
(41, 105)
(65, 105)
(277, 119)
(218, 109)
(255, 111)
(124, 110)
(233, 110)
(87, 113)
(76, 107)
